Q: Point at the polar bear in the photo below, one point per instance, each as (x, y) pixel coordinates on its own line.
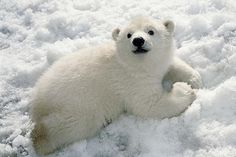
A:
(82, 92)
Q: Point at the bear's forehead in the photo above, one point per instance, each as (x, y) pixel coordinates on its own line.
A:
(142, 22)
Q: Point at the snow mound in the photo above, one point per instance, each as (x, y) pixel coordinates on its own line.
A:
(34, 34)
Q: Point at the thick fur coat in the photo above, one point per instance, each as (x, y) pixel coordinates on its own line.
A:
(84, 91)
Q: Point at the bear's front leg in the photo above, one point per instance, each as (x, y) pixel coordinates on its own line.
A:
(179, 71)
(176, 101)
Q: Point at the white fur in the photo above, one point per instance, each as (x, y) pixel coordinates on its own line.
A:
(83, 92)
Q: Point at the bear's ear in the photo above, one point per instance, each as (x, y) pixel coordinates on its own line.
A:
(170, 26)
(115, 33)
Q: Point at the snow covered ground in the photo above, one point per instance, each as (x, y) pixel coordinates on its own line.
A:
(34, 33)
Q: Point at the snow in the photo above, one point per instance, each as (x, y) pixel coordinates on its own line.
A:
(33, 34)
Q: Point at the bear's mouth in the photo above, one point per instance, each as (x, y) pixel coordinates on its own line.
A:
(140, 50)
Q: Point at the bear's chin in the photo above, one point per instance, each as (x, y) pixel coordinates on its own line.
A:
(140, 51)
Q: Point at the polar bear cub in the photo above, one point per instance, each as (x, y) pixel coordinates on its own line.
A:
(84, 91)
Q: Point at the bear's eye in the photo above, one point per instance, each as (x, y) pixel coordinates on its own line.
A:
(129, 35)
(151, 32)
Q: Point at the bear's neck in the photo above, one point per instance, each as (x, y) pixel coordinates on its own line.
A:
(156, 71)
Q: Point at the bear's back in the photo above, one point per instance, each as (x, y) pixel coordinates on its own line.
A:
(75, 75)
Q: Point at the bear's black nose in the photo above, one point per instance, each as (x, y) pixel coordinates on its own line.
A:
(138, 42)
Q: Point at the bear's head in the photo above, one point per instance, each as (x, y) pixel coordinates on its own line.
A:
(145, 43)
